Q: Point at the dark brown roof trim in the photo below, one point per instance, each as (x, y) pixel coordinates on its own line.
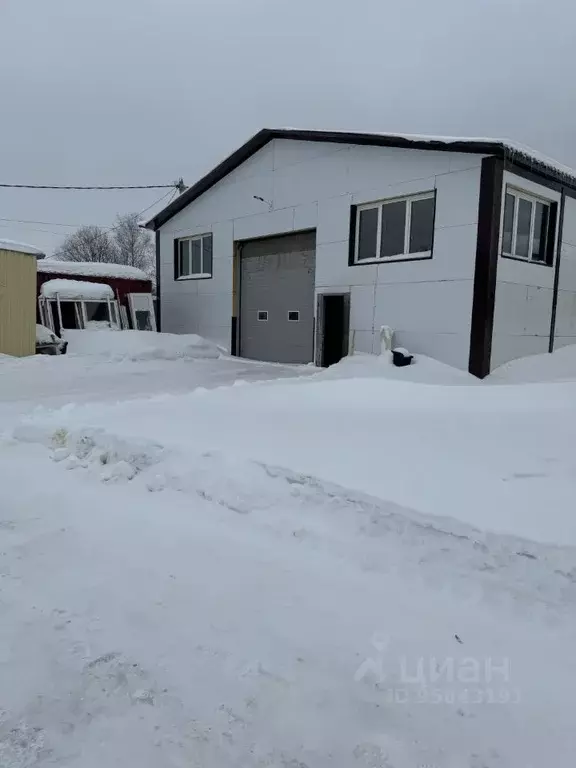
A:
(499, 149)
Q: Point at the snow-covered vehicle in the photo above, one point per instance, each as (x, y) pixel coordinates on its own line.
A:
(47, 343)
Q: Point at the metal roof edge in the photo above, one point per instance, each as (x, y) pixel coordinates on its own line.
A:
(495, 147)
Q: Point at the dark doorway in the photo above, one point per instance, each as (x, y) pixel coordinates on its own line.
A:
(335, 312)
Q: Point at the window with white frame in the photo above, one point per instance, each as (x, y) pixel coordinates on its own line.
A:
(527, 229)
(399, 228)
(193, 257)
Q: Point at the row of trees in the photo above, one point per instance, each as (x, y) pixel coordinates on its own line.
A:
(125, 243)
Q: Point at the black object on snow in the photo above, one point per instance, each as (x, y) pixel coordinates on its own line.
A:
(400, 359)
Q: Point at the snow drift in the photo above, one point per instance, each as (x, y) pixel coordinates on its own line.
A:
(139, 345)
(558, 366)
(250, 576)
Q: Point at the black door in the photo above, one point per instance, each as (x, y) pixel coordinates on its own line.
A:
(335, 322)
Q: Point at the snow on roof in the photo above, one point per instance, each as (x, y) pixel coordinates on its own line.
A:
(76, 289)
(503, 148)
(91, 269)
(13, 245)
(513, 148)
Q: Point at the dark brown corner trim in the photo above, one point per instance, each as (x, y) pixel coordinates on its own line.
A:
(158, 291)
(352, 235)
(489, 209)
(560, 231)
(175, 256)
(234, 337)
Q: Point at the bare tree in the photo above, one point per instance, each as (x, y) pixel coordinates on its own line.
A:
(133, 244)
(87, 244)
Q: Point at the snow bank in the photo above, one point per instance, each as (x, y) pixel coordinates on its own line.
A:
(494, 457)
(116, 458)
(392, 534)
(44, 335)
(139, 345)
(559, 366)
(76, 289)
(329, 631)
(13, 245)
(423, 370)
(91, 269)
(249, 576)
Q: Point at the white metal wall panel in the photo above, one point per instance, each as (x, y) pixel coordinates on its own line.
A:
(312, 185)
(524, 296)
(565, 329)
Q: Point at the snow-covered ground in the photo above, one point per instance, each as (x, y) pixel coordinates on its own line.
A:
(213, 562)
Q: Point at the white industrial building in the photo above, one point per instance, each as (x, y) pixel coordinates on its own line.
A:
(301, 245)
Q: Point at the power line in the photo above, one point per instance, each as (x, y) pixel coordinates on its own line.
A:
(47, 223)
(46, 231)
(172, 191)
(174, 185)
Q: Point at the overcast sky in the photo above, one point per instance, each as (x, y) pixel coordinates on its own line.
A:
(145, 91)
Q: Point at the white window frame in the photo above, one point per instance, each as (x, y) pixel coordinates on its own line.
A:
(379, 204)
(80, 310)
(519, 194)
(202, 275)
(141, 302)
(112, 311)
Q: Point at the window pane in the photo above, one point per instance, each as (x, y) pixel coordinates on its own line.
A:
(196, 251)
(96, 311)
(393, 229)
(539, 242)
(523, 227)
(508, 224)
(184, 257)
(367, 233)
(143, 321)
(207, 255)
(422, 225)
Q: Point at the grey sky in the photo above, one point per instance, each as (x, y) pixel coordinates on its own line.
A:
(145, 91)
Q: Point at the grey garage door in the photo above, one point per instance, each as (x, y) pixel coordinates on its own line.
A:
(277, 299)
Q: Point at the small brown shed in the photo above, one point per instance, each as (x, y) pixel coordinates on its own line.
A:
(18, 298)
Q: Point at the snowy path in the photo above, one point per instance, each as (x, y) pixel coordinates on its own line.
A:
(56, 381)
(164, 630)
(496, 457)
(249, 576)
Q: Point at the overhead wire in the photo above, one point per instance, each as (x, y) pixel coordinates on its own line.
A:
(47, 223)
(83, 188)
(31, 229)
(172, 192)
